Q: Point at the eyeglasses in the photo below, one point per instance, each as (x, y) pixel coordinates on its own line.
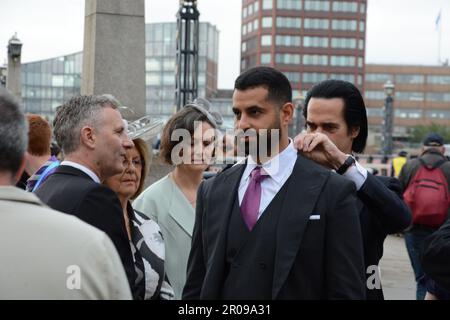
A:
(136, 163)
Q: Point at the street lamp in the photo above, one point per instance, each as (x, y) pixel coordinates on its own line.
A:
(389, 88)
(14, 78)
(14, 48)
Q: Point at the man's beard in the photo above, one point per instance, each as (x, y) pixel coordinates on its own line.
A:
(265, 145)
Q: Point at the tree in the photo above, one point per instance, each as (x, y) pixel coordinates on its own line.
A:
(418, 133)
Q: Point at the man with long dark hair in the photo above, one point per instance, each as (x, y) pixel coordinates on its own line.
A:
(336, 129)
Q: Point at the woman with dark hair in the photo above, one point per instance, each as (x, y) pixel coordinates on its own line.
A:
(171, 201)
(145, 236)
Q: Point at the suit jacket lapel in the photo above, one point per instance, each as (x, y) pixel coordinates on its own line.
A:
(181, 210)
(359, 205)
(184, 219)
(305, 184)
(223, 196)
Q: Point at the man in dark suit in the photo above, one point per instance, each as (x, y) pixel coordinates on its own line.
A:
(93, 137)
(435, 258)
(277, 226)
(336, 126)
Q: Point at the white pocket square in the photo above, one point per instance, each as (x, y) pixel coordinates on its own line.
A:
(314, 217)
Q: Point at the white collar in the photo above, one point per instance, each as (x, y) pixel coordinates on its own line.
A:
(277, 167)
(86, 170)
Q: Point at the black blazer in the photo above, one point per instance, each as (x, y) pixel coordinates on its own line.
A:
(382, 212)
(326, 253)
(71, 191)
(435, 257)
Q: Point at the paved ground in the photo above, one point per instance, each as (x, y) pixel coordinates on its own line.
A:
(396, 273)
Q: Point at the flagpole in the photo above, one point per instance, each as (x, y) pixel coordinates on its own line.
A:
(439, 42)
(439, 22)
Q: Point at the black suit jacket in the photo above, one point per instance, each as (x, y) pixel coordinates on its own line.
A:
(71, 191)
(382, 212)
(326, 253)
(435, 257)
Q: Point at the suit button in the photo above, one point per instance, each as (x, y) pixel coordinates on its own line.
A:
(262, 265)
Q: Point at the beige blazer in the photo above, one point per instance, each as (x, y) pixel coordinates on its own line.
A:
(46, 254)
(165, 203)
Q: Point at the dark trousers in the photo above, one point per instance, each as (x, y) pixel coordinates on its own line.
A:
(414, 239)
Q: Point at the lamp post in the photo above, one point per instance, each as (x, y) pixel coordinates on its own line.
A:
(3, 72)
(388, 119)
(14, 79)
(300, 121)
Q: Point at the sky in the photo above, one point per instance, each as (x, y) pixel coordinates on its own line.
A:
(398, 31)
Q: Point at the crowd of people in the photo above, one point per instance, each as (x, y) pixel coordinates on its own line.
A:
(301, 219)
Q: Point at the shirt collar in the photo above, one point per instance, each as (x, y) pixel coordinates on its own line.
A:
(86, 170)
(273, 167)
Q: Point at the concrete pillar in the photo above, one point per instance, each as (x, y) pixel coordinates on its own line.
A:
(114, 51)
(14, 77)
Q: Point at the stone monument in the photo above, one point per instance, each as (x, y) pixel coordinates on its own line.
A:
(114, 52)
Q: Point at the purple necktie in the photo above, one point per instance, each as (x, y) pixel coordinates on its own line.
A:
(252, 198)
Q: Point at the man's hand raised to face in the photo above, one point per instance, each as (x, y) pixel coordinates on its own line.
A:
(319, 148)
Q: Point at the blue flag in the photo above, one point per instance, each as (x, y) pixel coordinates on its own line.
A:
(438, 20)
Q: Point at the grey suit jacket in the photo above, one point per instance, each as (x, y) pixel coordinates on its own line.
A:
(164, 202)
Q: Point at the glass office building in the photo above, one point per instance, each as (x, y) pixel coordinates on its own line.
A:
(48, 83)
(160, 65)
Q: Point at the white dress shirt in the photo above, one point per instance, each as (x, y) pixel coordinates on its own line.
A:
(278, 169)
(357, 174)
(86, 170)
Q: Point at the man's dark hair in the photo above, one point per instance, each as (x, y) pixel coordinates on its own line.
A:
(13, 133)
(277, 84)
(354, 108)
